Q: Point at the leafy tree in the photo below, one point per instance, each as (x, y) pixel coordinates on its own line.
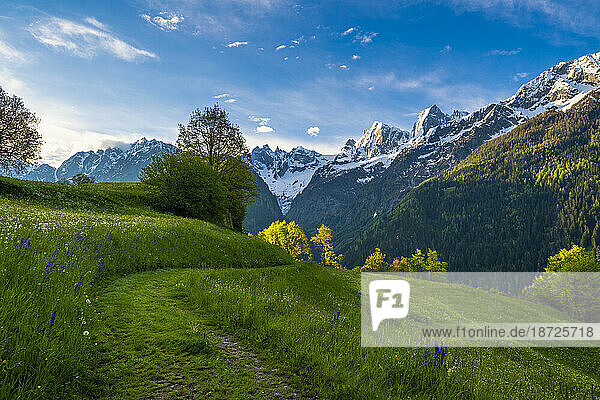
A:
(210, 135)
(81, 179)
(375, 262)
(418, 262)
(186, 185)
(20, 141)
(322, 240)
(577, 259)
(567, 287)
(288, 236)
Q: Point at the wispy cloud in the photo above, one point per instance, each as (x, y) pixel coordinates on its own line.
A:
(93, 21)
(313, 131)
(356, 57)
(230, 100)
(577, 16)
(344, 67)
(166, 21)
(237, 44)
(11, 54)
(447, 49)
(497, 52)
(365, 38)
(260, 120)
(280, 47)
(220, 96)
(86, 41)
(520, 75)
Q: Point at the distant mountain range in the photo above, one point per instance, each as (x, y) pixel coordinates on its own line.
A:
(111, 165)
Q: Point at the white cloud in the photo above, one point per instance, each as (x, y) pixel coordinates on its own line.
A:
(260, 120)
(365, 38)
(10, 83)
(230, 100)
(356, 57)
(313, 131)
(96, 23)
(497, 52)
(285, 59)
(447, 49)
(86, 41)
(281, 47)
(520, 75)
(11, 54)
(349, 31)
(166, 21)
(220, 96)
(371, 87)
(264, 129)
(236, 44)
(345, 67)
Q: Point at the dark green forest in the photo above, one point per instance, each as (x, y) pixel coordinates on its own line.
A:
(510, 205)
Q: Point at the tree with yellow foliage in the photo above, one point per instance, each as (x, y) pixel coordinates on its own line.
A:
(322, 240)
(375, 263)
(288, 236)
(418, 262)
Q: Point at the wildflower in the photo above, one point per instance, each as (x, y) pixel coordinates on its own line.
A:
(52, 319)
(85, 333)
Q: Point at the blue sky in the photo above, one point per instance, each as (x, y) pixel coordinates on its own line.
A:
(290, 73)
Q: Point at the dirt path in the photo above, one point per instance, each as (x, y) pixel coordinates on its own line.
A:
(153, 348)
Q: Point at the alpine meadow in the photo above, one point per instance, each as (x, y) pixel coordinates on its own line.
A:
(299, 200)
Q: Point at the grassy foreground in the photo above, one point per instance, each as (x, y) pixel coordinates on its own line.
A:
(56, 259)
(79, 320)
(305, 319)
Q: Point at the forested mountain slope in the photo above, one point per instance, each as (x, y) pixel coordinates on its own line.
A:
(263, 210)
(513, 202)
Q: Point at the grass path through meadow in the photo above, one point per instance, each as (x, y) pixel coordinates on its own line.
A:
(151, 347)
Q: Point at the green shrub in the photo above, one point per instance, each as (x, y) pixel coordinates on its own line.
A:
(185, 185)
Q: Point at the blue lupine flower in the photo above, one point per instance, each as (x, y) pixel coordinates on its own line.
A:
(52, 319)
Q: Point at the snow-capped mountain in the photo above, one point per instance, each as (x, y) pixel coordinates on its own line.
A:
(368, 183)
(114, 164)
(110, 165)
(286, 173)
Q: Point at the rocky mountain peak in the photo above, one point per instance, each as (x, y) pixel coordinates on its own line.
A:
(427, 119)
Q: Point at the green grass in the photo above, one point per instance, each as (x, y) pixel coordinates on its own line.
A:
(55, 261)
(140, 299)
(287, 315)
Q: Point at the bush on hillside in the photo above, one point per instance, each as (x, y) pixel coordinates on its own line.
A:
(81, 179)
(185, 185)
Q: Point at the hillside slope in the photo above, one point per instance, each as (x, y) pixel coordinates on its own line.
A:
(512, 203)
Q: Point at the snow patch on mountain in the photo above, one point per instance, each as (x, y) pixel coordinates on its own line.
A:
(286, 173)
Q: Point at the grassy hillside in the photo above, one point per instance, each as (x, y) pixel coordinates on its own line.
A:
(306, 320)
(60, 245)
(510, 205)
